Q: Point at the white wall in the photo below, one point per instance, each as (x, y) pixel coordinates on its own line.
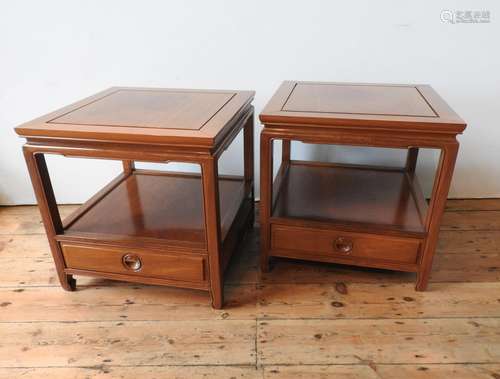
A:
(56, 52)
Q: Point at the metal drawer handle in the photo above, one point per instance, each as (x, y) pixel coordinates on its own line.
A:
(343, 245)
(132, 262)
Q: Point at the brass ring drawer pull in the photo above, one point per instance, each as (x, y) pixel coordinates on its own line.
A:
(132, 262)
(343, 245)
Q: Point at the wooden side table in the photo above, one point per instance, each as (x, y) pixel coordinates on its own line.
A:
(154, 227)
(355, 214)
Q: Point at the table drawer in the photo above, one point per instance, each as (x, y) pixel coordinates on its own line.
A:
(345, 244)
(135, 262)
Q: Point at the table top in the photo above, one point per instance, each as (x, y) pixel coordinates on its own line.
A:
(145, 115)
(382, 106)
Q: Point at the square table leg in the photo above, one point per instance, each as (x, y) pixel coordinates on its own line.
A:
(286, 151)
(266, 194)
(44, 193)
(436, 209)
(411, 160)
(248, 156)
(213, 229)
(128, 166)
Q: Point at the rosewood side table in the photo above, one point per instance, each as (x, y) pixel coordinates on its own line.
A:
(354, 214)
(148, 226)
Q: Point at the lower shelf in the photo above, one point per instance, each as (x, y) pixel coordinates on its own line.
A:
(153, 207)
(378, 199)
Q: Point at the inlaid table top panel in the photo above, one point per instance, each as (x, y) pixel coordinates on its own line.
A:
(151, 115)
(388, 106)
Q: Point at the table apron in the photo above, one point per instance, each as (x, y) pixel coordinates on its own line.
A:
(378, 139)
(116, 153)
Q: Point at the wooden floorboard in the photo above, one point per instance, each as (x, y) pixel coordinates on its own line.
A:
(301, 320)
(374, 371)
(471, 220)
(107, 371)
(435, 371)
(378, 301)
(123, 301)
(387, 341)
(473, 205)
(136, 343)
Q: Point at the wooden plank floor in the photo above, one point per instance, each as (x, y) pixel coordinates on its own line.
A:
(303, 320)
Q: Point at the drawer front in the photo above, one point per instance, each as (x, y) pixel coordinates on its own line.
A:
(345, 244)
(134, 262)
